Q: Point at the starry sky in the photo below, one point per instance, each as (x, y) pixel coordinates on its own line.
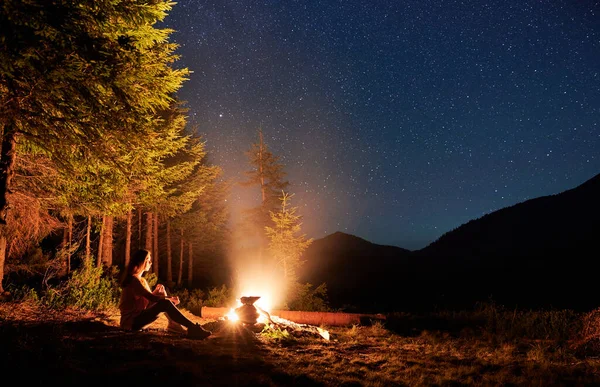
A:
(397, 121)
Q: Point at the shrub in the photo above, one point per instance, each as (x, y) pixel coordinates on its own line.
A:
(310, 300)
(219, 297)
(191, 300)
(276, 333)
(90, 288)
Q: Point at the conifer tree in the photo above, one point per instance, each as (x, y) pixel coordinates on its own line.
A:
(286, 244)
(268, 175)
(203, 224)
(187, 177)
(82, 80)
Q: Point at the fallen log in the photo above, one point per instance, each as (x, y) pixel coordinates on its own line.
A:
(301, 317)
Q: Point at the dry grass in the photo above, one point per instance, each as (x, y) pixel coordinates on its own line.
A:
(90, 348)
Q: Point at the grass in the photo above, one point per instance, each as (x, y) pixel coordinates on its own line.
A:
(482, 347)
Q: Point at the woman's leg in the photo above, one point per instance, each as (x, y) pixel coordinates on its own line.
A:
(150, 315)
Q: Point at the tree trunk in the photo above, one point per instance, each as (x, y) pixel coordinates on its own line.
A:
(169, 255)
(108, 242)
(7, 168)
(88, 234)
(139, 212)
(69, 242)
(2, 259)
(7, 171)
(64, 245)
(180, 275)
(128, 238)
(100, 243)
(148, 244)
(155, 248)
(190, 264)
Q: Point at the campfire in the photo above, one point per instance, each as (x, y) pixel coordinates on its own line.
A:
(257, 319)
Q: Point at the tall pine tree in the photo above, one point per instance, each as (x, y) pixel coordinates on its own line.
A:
(81, 80)
(268, 175)
(286, 244)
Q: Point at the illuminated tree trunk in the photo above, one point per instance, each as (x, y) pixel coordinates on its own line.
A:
(7, 171)
(139, 212)
(100, 243)
(148, 244)
(88, 233)
(128, 238)
(180, 275)
(2, 258)
(107, 248)
(190, 265)
(155, 247)
(7, 168)
(69, 242)
(169, 255)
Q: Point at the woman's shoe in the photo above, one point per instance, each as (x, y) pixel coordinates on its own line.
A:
(173, 327)
(197, 332)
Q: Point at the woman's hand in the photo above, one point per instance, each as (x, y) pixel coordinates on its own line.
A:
(160, 290)
(174, 300)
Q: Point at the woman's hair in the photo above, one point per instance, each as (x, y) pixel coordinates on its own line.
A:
(136, 261)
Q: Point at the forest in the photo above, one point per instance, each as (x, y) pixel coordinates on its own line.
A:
(98, 158)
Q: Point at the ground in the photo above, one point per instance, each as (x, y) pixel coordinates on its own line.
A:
(39, 346)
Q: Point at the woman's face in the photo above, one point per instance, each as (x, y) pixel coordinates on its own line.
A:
(146, 265)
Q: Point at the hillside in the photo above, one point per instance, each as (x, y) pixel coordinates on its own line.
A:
(358, 273)
(539, 253)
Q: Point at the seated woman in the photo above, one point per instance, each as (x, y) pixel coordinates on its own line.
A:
(139, 306)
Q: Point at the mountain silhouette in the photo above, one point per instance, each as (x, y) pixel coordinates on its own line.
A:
(356, 271)
(540, 253)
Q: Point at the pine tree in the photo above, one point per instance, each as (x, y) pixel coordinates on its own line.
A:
(187, 178)
(267, 173)
(81, 80)
(286, 244)
(203, 225)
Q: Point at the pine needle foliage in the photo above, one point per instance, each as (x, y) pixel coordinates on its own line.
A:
(286, 243)
(268, 174)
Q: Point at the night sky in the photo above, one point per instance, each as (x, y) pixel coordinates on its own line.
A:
(397, 121)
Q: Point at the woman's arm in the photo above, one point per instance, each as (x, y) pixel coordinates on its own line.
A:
(159, 293)
(142, 291)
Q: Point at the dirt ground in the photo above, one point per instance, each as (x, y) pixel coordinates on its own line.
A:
(39, 347)
(76, 348)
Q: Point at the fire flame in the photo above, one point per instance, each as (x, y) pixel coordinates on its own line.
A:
(262, 305)
(232, 316)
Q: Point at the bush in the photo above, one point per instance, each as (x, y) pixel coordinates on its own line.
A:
(90, 288)
(309, 300)
(191, 300)
(219, 297)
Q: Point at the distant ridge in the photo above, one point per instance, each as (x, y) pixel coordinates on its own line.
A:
(353, 268)
(560, 221)
(540, 253)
